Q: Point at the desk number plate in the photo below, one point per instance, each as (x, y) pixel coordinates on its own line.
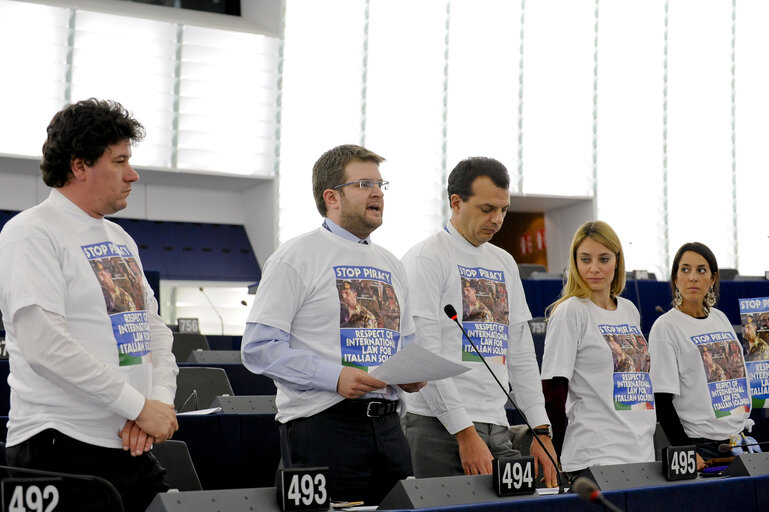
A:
(679, 462)
(514, 475)
(30, 494)
(188, 325)
(303, 489)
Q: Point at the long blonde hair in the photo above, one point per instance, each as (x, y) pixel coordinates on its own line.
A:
(575, 286)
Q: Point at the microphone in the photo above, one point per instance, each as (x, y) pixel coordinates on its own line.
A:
(726, 447)
(588, 491)
(221, 321)
(452, 314)
(658, 309)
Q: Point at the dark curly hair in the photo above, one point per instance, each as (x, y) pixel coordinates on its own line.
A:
(84, 130)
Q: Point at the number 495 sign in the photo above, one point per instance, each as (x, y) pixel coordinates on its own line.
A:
(302, 489)
(679, 462)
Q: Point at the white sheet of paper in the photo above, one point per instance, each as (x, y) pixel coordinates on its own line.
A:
(414, 363)
(201, 412)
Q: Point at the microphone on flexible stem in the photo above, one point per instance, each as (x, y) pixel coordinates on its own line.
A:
(452, 314)
(658, 309)
(726, 447)
(221, 320)
(588, 491)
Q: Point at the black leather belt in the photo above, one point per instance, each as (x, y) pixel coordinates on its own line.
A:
(701, 441)
(371, 408)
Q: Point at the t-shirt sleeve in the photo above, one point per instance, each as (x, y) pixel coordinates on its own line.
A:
(523, 374)
(164, 368)
(407, 325)
(31, 274)
(281, 293)
(664, 371)
(54, 354)
(565, 330)
(519, 308)
(279, 296)
(425, 277)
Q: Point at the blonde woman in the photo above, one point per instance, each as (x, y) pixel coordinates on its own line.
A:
(589, 376)
(698, 369)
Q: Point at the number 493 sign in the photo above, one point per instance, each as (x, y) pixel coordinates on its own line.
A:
(514, 475)
(302, 489)
(679, 462)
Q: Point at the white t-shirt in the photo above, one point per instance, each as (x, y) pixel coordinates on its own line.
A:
(483, 285)
(306, 290)
(712, 400)
(87, 272)
(610, 405)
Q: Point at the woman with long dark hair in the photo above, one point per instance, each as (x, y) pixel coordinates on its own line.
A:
(697, 366)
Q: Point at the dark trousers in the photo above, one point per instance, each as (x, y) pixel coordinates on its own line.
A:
(137, 479)
(708, 449)
(366, 457)
(436, 452)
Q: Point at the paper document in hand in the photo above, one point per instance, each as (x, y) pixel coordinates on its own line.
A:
(414, 363)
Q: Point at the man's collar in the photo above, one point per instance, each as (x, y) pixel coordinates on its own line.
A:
(451, 230)
(63, 201)
(341, 232)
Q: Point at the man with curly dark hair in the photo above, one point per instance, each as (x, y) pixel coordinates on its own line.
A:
(92, 378)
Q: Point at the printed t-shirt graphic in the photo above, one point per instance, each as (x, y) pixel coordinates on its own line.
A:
(484, 313)
(754, 314)
(630, 353)
(369, 316)
(726, 380)
(121, 282)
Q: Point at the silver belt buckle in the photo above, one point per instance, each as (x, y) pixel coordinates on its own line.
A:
(368, 408)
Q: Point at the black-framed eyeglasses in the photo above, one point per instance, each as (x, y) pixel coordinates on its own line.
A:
(366, 184)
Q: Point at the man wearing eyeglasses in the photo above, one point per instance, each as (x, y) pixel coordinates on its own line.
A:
(456, 426)
(332, 412)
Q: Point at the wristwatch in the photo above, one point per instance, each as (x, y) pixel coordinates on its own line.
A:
(547, 430)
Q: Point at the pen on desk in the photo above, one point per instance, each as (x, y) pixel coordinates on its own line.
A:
(714, 469)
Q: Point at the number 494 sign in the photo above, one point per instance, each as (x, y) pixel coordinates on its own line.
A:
(679, 462)
(302, 489)
(514, 475)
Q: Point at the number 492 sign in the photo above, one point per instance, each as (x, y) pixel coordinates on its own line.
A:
(302, 489)
(679, 462)
(514, 475)
(30, 494)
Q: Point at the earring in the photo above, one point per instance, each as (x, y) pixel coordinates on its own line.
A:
(710, 298)
(678, 299)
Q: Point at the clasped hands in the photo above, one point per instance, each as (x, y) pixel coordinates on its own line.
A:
(156, 423)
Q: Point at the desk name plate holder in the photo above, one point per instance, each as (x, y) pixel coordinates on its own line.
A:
(302, 489)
